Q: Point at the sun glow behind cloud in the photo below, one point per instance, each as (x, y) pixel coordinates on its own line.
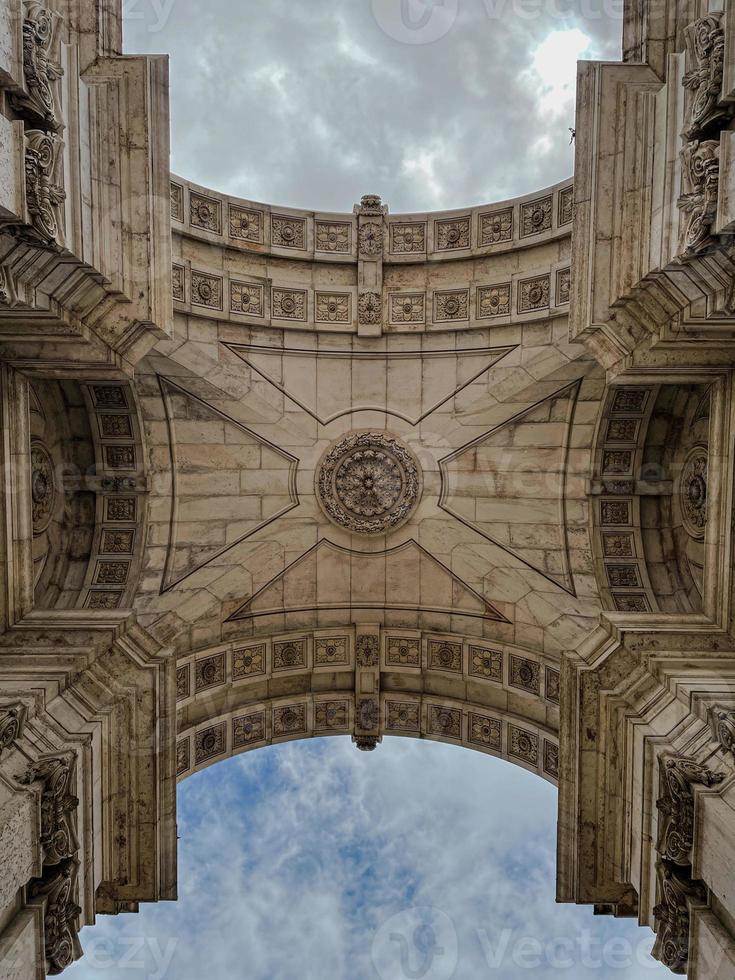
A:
(553, 69)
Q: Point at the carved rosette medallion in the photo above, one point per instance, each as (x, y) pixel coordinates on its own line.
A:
(368, 482)
(367, 651)
(371, 239)
(693, 492)
(43, 487)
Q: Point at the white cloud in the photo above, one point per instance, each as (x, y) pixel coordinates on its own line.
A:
(292, 858)
(553, 69)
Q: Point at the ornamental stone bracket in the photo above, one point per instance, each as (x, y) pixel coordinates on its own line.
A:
(56, 889)
(36, 96)
(57, 894)
(58, 838)
(367, 734)
(675, 845)
(706, 114)
(12, 719)
(672, 915)
(722, 724)
(370, 214)
(44, 192)
(676, 805)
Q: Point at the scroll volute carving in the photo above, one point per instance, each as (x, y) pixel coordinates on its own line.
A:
(701, 174)
(41, 68)
(722, 723)
(705, 117)
(677, 775)
(671, 916)
(61, 918)
(58, 806)
(57, 887)
(706, 55)
(44, 190)
(12, 719)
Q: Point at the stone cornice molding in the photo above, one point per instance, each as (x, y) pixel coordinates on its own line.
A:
(669, 212)
(66, 296)
(635, 669)
(106, 691)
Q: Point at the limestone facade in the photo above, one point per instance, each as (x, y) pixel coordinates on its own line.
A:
(271, 474)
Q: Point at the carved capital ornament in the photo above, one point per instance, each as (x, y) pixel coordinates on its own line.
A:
(677, 775)
(12, 719)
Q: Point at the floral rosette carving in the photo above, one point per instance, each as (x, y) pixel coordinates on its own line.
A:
(369, 483)
(368, 651)
(693, 492)
(43, 488)
(370, 308)
(371, 238)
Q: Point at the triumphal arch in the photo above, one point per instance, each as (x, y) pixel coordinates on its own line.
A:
(270, 474)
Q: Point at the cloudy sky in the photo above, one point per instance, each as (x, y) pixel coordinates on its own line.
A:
(431, 103)
(312, 861)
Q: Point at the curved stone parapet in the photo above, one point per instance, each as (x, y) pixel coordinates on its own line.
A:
(371, 272)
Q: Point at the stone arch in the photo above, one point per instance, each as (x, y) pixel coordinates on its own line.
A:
(656, 525)
(368, 681)
(75, 457)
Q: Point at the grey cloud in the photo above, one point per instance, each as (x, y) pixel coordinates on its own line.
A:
(310, 103)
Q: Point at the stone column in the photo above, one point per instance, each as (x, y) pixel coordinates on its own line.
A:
(21, 928)
(21, 947)
(18, 816)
